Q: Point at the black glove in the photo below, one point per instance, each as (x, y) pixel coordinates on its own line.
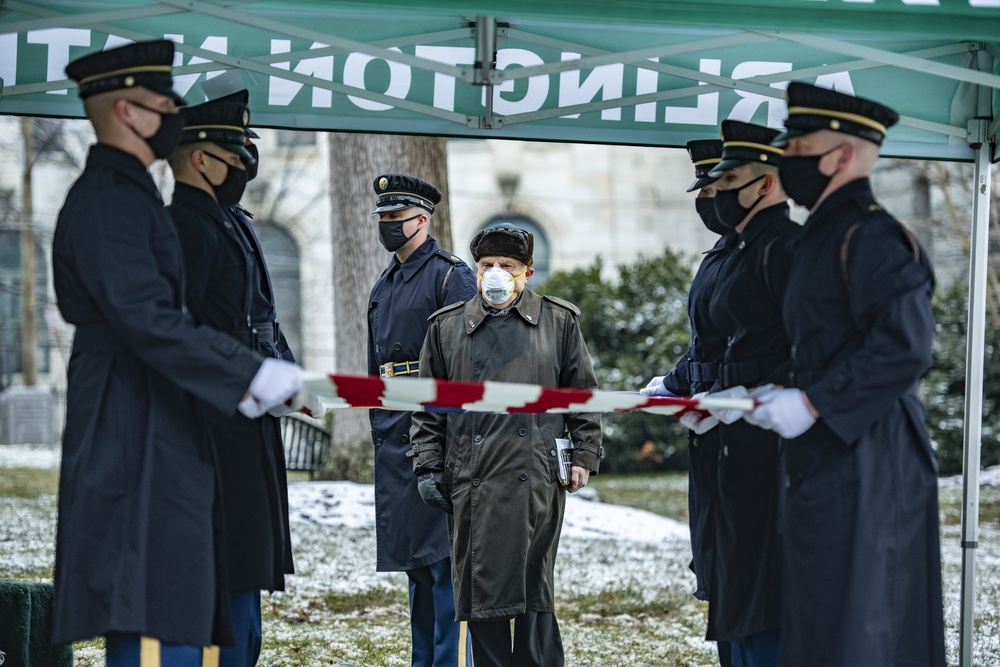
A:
(430, 485)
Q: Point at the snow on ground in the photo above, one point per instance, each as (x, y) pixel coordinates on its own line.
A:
(603, 547)
(29, 456)
(353, 505)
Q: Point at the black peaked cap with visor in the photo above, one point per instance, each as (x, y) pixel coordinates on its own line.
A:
(221, 123)
(743, 143)
(139, 65)
(811, 108)
(396, 192)
(705, 154)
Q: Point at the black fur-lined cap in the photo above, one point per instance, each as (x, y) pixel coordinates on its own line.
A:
(143, 64)
(504, 241)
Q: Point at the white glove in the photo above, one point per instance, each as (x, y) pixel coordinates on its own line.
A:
(729, 415)
(276, 381)
(280, 410)
(783, 411)
(656, 388)
(698, 421)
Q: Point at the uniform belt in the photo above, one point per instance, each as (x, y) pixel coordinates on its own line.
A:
(263, 333)
(394, 368)
(703, 372)
(748, 373)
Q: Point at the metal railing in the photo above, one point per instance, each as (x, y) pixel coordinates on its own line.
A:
(306, 443)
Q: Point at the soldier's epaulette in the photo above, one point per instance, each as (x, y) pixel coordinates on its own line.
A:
(869, 206)
(562, 302)
(451, 306)
(454, 259)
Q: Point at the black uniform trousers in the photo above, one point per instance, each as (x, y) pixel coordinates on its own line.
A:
(536, 641)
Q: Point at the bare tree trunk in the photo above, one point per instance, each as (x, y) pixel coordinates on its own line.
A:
(29, 301)
(356, 160)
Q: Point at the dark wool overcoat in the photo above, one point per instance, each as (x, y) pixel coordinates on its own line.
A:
(136, 534)
(860, 524)
(501, 470)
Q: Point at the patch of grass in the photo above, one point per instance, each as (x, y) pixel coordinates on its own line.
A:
(950, 499)
(663, 493)
(373, 598)
(28, 482)
(630, 600)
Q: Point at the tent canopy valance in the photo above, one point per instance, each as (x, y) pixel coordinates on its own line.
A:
(643, 72)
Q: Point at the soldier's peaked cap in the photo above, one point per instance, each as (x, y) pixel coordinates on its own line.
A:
(811, 108)
(242, 97)
(398, 191)
(221, 123)
(143, 64)
(743, 143)
(705, 154)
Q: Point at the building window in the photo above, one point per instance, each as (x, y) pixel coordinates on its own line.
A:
(282, 257)
(541, 252)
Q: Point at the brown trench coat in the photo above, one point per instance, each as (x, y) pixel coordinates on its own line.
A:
(501, 470)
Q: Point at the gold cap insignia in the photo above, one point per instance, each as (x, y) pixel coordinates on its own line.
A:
(383, 183)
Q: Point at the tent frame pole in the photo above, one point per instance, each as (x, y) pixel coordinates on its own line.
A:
(975, 344)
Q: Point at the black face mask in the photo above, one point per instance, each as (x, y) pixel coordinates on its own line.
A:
(727, 205)
(164, 140)
(802, 179)
(391, 235)
(706, 211)
(230, 190)
(252, 167)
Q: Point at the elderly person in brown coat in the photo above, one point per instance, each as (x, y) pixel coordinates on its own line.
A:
(499, 474)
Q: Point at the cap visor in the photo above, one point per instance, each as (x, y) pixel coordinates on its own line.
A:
(239, 149)
(781, 140)
(171, 93)
(724, 166)
(699, 183)
(393, 206)
(253, 135)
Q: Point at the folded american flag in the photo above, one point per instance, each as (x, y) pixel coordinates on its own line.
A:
(332, 391)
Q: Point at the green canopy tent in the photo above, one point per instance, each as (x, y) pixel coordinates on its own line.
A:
(642, 72)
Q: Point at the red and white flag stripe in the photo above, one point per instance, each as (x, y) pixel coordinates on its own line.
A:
(331, 391)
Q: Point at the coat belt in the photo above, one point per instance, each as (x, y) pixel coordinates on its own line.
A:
(394, 368)
(262, 333)
(749, 373)
(703, 372)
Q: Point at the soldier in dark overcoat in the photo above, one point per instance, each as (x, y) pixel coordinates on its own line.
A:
(697, 371)
(500, 474)
(747, 305)
(410, 536)
(862, 575)
(137, 557)
(229, 289)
